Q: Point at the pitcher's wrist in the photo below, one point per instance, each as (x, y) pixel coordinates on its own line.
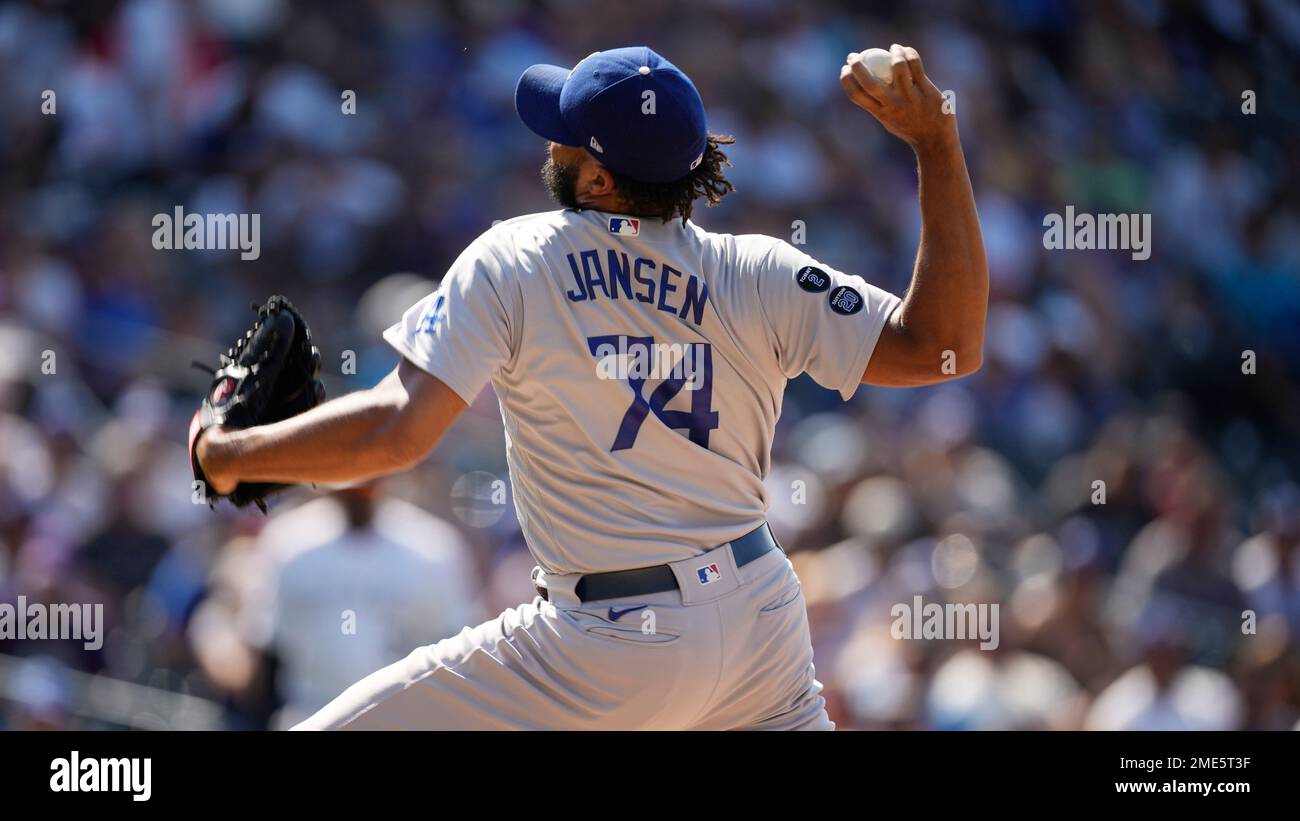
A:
(213, 452)
(942, 140)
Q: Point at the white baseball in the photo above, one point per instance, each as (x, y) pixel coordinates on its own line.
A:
(878, 62)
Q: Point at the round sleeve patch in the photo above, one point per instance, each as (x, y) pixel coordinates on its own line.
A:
(846, 301)
(813, 280)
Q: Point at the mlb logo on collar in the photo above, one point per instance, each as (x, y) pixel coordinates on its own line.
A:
(708, 574)
(624, 226)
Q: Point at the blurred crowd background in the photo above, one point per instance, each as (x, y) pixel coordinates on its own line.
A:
(1172, 381)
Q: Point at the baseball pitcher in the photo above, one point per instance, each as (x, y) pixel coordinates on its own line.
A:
(639, 362)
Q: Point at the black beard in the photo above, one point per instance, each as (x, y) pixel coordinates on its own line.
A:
(561, 183)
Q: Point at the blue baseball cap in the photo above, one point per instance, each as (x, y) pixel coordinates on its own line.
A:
(632, 109)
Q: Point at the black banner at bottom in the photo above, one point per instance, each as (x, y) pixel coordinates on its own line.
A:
(219, 771)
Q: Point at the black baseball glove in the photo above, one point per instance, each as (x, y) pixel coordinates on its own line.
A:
(270, 374)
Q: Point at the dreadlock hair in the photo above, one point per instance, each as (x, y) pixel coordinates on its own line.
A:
(677, 198)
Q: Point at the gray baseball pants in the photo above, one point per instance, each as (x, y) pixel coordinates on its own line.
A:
(732, 654)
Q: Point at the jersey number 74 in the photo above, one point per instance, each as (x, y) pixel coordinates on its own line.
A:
(638, 359)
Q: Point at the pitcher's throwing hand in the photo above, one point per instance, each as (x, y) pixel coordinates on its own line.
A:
(910, 107)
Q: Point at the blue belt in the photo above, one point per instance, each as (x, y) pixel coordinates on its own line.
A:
(643, 581)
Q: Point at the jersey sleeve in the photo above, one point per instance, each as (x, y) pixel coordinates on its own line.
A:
(462, 332)
(820, 321)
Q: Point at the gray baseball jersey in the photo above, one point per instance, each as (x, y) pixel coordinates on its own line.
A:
(640, 368)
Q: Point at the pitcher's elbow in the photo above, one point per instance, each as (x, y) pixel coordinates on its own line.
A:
(970, 359)
(959, 358)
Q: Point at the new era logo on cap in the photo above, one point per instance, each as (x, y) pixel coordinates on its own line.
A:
(624, 226)
(708, 574)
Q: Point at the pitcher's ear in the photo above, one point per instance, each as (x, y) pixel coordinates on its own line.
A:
(601, 181)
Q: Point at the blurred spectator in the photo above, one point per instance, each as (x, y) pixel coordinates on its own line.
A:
(350, 584)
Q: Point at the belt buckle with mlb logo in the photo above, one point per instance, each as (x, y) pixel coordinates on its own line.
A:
(708, 574)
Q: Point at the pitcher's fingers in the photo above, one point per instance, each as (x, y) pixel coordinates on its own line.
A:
(902, 74)
(915, 66)
(856, 93)
(873, 87)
